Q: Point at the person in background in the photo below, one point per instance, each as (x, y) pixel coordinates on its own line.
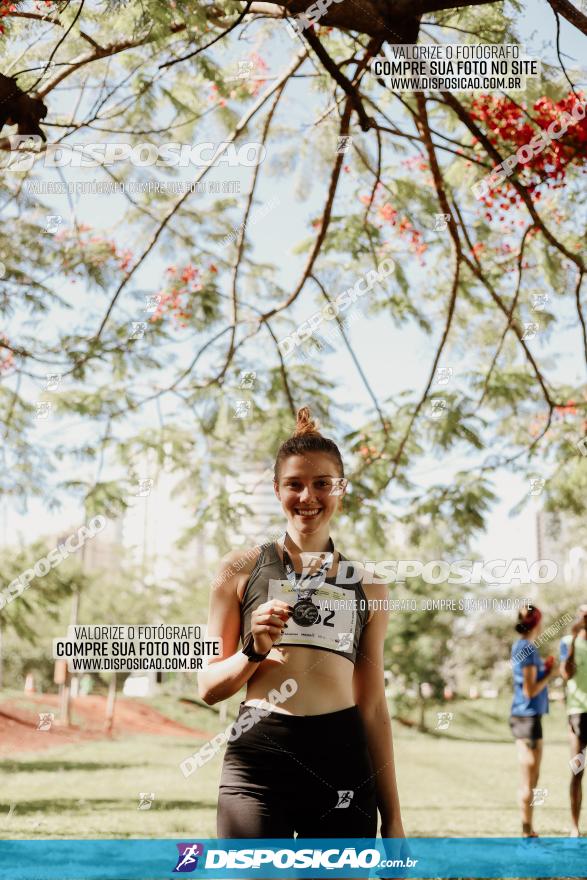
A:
(529, 704)
(573, 668)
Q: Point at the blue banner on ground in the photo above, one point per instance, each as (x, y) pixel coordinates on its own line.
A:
(493, 857)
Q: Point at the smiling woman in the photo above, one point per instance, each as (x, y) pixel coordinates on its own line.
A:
(321, 764)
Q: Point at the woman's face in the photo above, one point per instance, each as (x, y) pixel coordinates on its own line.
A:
(308, 490)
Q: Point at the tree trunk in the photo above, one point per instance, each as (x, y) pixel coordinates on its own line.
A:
(396, 21)
(110, 704)
(422, 721)
(64, 708)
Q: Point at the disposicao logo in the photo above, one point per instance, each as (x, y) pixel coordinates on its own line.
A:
(188, 857)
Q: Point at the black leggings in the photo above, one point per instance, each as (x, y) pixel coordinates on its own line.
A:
(311, 774)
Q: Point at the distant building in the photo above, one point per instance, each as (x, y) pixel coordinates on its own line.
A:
(557, 538)
(155, 520)
(159, 515)
(104, 551)
(253, 486)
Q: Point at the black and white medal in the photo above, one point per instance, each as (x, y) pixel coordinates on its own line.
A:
(305, 613)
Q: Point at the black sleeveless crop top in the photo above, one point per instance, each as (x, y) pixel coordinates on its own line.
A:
(343, 607)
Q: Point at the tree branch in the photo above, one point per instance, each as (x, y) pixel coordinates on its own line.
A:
(452, 227)
(211, 43)
(334, 178)
(99, 53)
(282, 370)
(580, 312)
(35, 15)
(353, 95)
(571, 13)
(242, 232)
(324, 221)
(350, 350)
(475, 266)
(425, 6)
(509, 316)
(239, 128)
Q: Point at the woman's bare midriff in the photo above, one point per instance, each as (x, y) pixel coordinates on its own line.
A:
(324, 681)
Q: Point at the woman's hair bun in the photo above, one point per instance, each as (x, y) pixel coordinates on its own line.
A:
(305, 424)
(307, 438)
(528, 619)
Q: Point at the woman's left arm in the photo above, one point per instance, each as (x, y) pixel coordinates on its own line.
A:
(369, 694)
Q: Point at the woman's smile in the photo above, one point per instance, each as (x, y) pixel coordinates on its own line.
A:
(308, 513)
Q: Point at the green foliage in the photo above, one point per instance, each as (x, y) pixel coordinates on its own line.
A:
(43, 596)
(67, 301)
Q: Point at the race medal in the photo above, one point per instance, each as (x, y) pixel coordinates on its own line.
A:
(305, 613)
(326, 631)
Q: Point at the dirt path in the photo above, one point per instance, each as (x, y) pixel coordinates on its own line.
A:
(19, 723)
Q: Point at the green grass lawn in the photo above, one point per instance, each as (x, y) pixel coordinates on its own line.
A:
(457, 783)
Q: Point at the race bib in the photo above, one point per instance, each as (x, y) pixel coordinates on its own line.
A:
(336, 622)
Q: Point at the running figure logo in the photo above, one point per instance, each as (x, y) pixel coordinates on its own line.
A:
(440, 222)
(345, 641)
(438, 407)
(53, 223)
(443, 375)
(146, 798)
(344, 799)
(241, 409)
(137, 329)
(444, 719)
(244, 69)
(247, 379)
(339, 484)
(151, 302)
(188, 857)
(539, 300)
(46, 719)
(344, 144)
(530, 330)
(536, 486)
(577, 763)
(42, 409)
(53, 381)
(145, 487)
(539, 795)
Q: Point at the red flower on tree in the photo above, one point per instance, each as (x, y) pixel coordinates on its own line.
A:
(388, 214)
(6, 356)
(512, 128)
(7, 7)
(177, 300)
(259, 65)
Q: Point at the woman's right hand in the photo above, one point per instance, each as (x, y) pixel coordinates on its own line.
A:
(267, 624)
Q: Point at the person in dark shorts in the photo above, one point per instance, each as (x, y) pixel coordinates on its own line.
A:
(573, 668)
(529, 704)
(311, 751)
(308, 773)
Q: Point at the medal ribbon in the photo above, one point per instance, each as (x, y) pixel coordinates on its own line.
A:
(307, 585)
